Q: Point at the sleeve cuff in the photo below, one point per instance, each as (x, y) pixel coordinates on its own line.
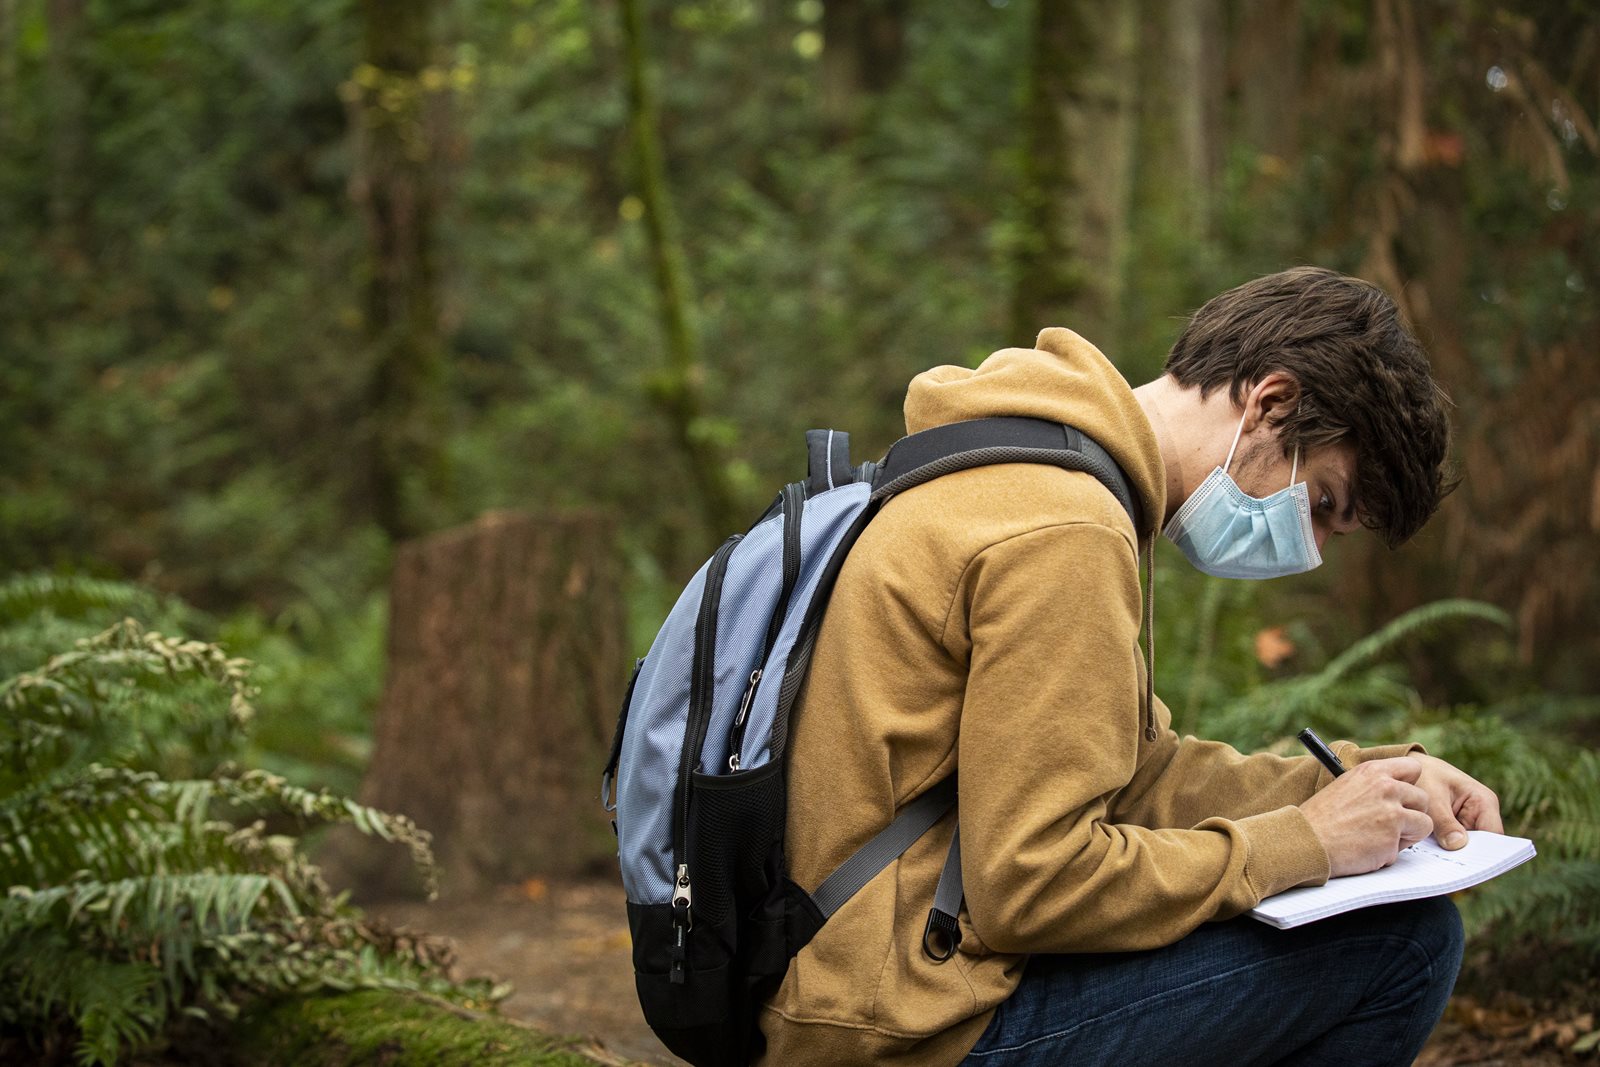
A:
(1379, 751)
(1283, 852)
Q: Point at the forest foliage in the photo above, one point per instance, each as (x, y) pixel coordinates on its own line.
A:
(145, 890)
(198, 385)
(285, 281)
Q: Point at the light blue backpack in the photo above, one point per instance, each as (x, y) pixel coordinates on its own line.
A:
(697, 763)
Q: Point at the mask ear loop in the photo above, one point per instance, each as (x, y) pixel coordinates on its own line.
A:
(1295, 466)
(1236, 435)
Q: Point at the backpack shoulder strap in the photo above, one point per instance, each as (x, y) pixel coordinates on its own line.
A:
(918, 458)
(957, 446)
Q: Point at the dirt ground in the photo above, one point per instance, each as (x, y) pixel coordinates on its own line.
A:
(564, 947)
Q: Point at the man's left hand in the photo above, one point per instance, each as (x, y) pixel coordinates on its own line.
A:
(1457, 802)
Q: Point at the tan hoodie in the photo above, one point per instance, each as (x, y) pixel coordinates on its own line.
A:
(988, 622)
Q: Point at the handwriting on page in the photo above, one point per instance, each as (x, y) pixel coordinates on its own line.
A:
(1425, 852)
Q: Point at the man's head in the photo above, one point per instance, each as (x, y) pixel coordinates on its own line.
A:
(1327, 365)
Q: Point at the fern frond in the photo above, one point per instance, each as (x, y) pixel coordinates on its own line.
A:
(1551, 898)
(1419, 620)
(1354, 693)
(142, 882)
(113, 1005)
(131, 696)
(71, 595)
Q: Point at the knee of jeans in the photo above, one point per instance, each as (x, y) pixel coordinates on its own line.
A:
(1438, 931)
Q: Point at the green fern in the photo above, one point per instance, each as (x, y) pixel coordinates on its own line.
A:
(141, 889)
(1356, 693)
(44, 613)
(1549, 789)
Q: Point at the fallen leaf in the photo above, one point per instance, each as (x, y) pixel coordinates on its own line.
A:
(1273, 646)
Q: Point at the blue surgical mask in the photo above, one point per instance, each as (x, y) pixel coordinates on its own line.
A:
(1228, 533)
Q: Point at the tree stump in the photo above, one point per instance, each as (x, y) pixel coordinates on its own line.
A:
(505, 672)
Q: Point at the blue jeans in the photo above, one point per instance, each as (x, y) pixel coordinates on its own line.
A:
(1362, 988)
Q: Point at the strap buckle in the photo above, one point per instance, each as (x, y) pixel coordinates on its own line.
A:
(941, 936)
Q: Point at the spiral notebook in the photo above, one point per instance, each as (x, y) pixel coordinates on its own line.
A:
(1423, 870)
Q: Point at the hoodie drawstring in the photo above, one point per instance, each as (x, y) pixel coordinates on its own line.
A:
(1150, 640)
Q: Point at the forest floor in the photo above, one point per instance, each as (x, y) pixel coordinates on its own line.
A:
(564, 947)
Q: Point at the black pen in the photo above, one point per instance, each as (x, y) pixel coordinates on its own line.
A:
(1315, 746)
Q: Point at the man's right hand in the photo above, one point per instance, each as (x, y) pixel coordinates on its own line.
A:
(1367, 815)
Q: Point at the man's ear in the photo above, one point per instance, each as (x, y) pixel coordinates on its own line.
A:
(1271, 400)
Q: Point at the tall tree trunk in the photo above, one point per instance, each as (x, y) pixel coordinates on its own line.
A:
(1197, 100)
(1267, 72)
(68, 137)
(863, 52)
(8, 65)
(505, 673)
(1079, 129)
(395, 185)
(679, 388)
(1179, 142)
(1176, 173)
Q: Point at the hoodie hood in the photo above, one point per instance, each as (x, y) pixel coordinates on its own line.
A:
(1066, 379)
(1063, 378)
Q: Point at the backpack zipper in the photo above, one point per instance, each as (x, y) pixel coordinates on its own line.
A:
(793, 509)
(701, 688)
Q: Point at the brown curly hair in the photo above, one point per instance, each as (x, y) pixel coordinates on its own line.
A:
(1362, 374)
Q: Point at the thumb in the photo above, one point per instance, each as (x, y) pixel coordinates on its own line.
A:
(1446, 827)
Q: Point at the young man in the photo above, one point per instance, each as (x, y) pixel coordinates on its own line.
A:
(987, 623)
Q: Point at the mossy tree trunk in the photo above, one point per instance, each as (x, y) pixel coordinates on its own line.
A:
(1078, 150)
(69, 136)
(505, 673)
(396, 100)
(679, 388)
(1267, 72)
(8, 65)
(1178, 146)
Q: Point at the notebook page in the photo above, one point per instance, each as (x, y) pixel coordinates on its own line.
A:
(1423, 870)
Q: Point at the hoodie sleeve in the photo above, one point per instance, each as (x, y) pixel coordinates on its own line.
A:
(1186, 780)
(1050, 737)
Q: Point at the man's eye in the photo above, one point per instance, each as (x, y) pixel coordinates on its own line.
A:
(1326, 503)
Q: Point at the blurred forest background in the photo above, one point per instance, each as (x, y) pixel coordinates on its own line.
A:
(285, 284)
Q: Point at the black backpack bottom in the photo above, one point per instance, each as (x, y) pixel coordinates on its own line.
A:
(749, 920)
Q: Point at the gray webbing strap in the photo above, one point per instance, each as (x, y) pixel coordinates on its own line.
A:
(957, 446)
(947, 897)
(942, 934)
(884, 848)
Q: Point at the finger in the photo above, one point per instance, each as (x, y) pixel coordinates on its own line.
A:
(1414, 826)
(1401, 768)
(1415, 797)
(1481, 811)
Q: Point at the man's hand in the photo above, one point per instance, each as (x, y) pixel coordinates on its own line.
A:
(1367, 815)
(1457, 802)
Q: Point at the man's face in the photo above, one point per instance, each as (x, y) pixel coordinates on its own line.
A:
(1330, 476)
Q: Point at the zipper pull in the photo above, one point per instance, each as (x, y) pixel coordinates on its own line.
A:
(682, 923)
(682, 897)
(736, 732)
(744, 701)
